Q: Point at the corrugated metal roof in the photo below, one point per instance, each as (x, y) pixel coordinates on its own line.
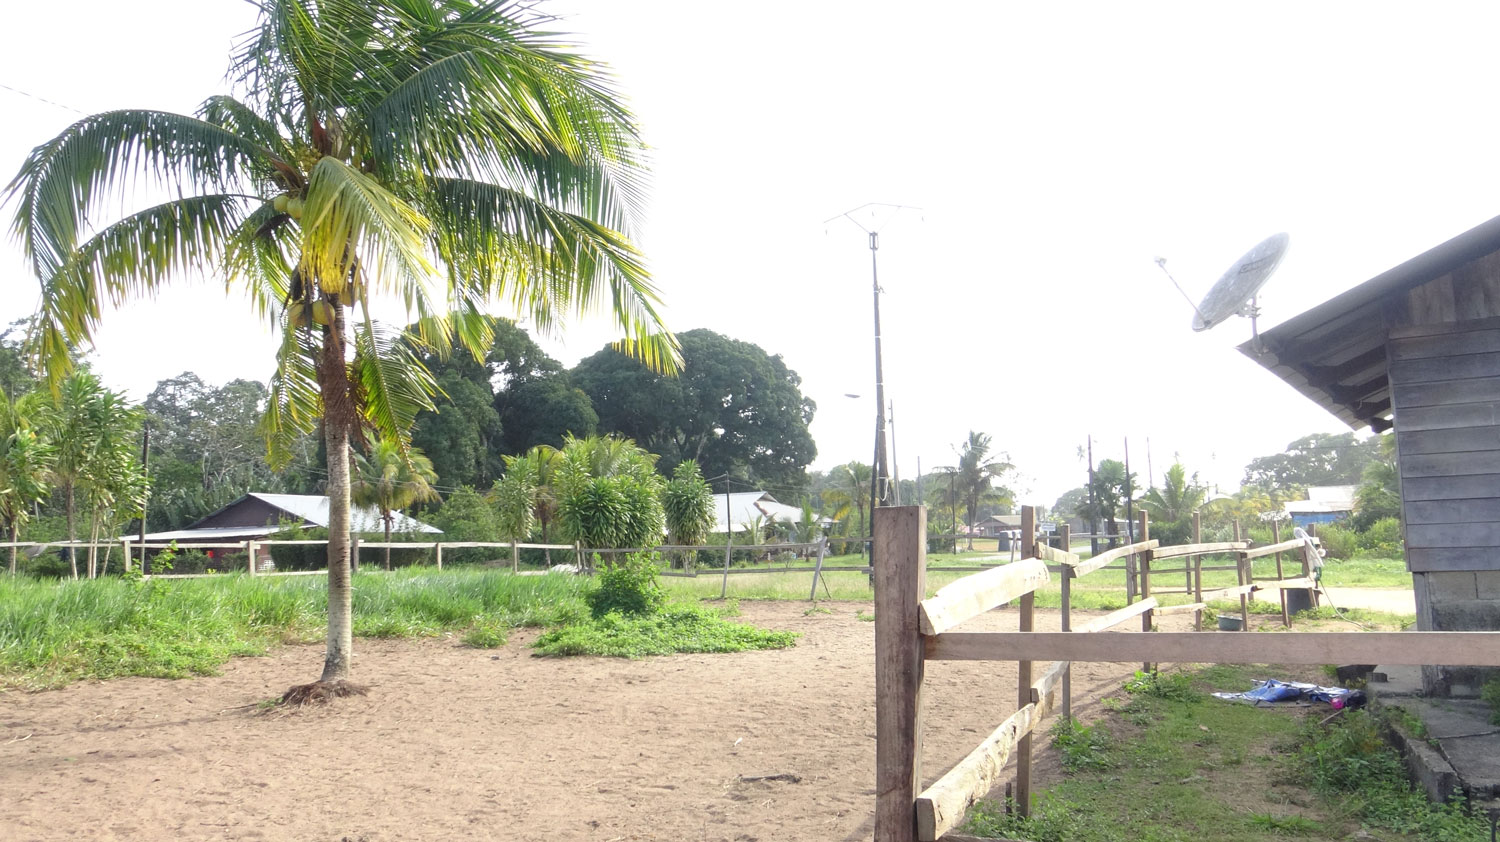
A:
(1334, 354)
(745, 506)
(312, 510)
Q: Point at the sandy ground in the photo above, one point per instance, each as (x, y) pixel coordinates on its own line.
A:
(1393, 600)
(458, 743)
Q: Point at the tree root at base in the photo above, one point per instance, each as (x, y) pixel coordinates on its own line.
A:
(322, 692)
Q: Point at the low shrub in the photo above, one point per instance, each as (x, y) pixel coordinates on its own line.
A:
(677, 628)
(1082, 747)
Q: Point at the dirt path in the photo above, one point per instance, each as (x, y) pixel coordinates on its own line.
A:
(1392, 600)
(458, 743)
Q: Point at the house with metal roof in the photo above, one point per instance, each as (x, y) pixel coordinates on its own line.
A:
(1417, 349)
(258, 515)
(733, 511)
(1324, 504)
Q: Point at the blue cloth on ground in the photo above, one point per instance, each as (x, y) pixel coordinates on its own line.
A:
(1272, 691)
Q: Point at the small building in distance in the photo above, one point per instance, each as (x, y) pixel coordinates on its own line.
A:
(1417, 349)
(1324, 504)
(733, 511)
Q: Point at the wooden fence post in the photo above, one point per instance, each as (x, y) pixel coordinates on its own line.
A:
(1242, 571)
(818, 568)
(250, 550)
(1148, 616)
(1308, 554)
(1197, 575)
(515, 558)
(354, 553)
(1286, 618)
(125, 550)
(1067, 620)
(1023, 668)
(438, 547)
(900, 585)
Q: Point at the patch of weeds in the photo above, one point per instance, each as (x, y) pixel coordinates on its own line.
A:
(677, 628)
(1174, 687)
(1287, 825)
(817, 609)
(1051, 820)
(628, 586)
(861, 615)
(1490, 693)
(1082, 747)
(1348, 760)
(485, 635)
(1406, 720)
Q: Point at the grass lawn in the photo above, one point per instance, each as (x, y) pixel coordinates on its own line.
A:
(1168, 763)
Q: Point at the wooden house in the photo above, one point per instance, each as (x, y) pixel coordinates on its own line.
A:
(1417, 349)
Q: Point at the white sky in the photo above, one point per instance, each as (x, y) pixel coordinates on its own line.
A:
(1055, 149)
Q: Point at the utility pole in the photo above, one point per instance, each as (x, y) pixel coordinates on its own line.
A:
(895, 463)
(1093, 505)
(1129, 492)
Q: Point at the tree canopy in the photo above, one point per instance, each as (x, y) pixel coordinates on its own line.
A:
(734, 409)
(1316, 459)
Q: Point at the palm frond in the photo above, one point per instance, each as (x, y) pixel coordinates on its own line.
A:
(294, 402)
(391, 383)
(259, 254)
(62, 179)
(134, 256)
(501, 244)
(347, 214)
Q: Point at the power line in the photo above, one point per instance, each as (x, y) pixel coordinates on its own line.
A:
(43, 100)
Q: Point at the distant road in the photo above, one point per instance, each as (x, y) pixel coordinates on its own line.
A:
(1393, 600)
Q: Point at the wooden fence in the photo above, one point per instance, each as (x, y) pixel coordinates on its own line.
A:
(911, 630)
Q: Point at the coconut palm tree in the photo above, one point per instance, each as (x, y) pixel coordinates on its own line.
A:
(390, 479)
(1172, 505)
(975, 476)
(25, 463)
(447, 154)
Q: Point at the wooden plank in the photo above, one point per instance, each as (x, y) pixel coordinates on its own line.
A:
(942, 806)
(1448, 488)
(1198, 549)
(901, 546)
(1089, 565)
(1459, 440)
(1181, 609)
(1405, 332)
(1451, 367)
(1474, 414)
(1272, 549)
(1053, 554)
(973, 595)
(1451, 464)
(1448, 392)
(1446, 559)
(1288, 584)
(1480, 649)
(1426, 347)
(1043, 690)
(1454, 535)
(1114, 618)
(1026, 622)
(1229, 593)
(1470, 510)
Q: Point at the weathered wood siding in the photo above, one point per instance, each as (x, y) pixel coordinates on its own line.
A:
(1445, 387)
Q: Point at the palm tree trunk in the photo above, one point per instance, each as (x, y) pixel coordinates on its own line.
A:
(72, 550)
(340, 594)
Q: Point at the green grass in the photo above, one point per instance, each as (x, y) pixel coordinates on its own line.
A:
(1174, 765)
(675, 628)
(52, 633)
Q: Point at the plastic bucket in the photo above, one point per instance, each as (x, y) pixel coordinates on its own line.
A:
(1229, 623)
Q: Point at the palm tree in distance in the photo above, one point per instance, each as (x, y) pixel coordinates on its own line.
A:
(443, 153)
(975, 477)
(391, 480)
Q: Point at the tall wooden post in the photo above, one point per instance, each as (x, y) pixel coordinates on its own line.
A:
(1023, 668)
(1242, 569)
(1286, 617)
(1308, 555)
(354, 552)
(1197, 572)
(251, 550)
(1067, 620)
(515, 558)
(900, 584)
(1143, 533)
(438, 547)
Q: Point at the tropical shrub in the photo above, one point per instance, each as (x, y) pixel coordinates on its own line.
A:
(628, 586)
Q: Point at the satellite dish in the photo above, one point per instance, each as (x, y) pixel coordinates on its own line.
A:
(1234, 294)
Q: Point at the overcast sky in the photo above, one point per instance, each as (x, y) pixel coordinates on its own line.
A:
(1054, 149)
